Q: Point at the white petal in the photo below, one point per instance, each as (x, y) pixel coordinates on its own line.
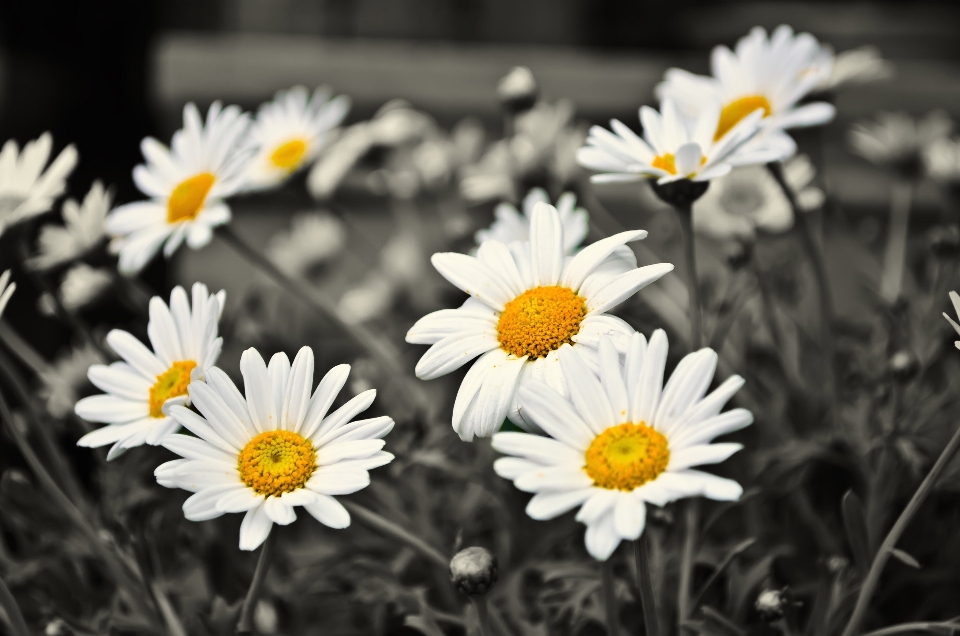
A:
(353, 407)
(554, 414)
(542, 450)
(586, 392)
(323, 398)
(259, 391)
(546, 244)
(328, 511)
(255, 528)
(296, 398)
(134, 352)
(473, 277)
(699, 455)
(601, 538)
(629, 517)
(553, 478)
(453, 352)
(645, 396)
(547, 505)
(279, 512)
(591, 256)
(624, 286)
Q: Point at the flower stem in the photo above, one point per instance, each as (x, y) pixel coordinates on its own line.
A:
(483, 614)
(22, 350)
(685, 214)
(18, 626)
(245, 624)
(645, 583)
(691, 523)
(610, 597)
(391, 529)
(890, 542)
(894, 255)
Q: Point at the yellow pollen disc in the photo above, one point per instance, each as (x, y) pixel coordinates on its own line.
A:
(171, 383)
(187, 199)
(289, 155)
(736, 110)
(540, 320)
(666, 162)
(276, 462)
(626, 456)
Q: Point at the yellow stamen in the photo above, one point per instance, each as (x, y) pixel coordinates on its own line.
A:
(666, 162)
(626, 456)
(171, 383)
(540, 320)
(736, 110)
(276, 462)
(187, 199)
(288, 156)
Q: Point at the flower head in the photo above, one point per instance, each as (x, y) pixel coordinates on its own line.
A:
(474, 570)
(314, 237)
(526, 301)
(274, 447)
(26, 190)
(290, 131)
(898, 141)
(941, 160)
(511, 225)
(81, 286)
(672, 147)
(861, 65)
(63, 380)
(84, 226)
(187, 184)
(139, 390)
(621, 439)
(518, 90)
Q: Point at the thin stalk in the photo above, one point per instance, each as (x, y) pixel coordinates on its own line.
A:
(685, 214)
(483, 614)
(691, 523)
(894, 255)
(391, 529)
(607, 583)
(18, 625)
(890, 542)
(245, 624)
(378, 348)
(948, 626)
(645, 583)
(22, 349)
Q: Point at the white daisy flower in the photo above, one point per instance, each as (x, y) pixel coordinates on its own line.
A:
(63, 380)
(672, 148)
(771, 74)
(187, 183)
(81, 286)
(750, 200)
(527, 299)
(274, 447)
(289, 132)
(138, 390)
(623, 440)
(313, 238)
(84, 226)
(897, 139)
(861, 65)
(955, 299)
(512, 225)
(6, 290)
(25, 189)
(941, 160)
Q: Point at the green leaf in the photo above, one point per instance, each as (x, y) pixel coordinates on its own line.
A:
(905, 558)
(854, 521)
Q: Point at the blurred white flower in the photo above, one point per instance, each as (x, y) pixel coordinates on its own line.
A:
(187, 183)
(63, 380)
(897, 140)
(6, 290)
(772, 74)
(81, 286)
(750, 200)
(273, 448)
(402, 264)
(289, 132)
(861, 65)
(517, 90)
(941, 160)
(84, 226)
(511, 225)
(26, 190)
(672, 148)
(313, 237)
(955, 299)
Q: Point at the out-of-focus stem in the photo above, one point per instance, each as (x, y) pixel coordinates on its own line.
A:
(894, 255)
(18, 626)
(687, 555)
(483, 614)
(391, 529)
(245, 624)
(607, 584)
(685, 214)
(645, 584)
(890, 542)
(22, 349)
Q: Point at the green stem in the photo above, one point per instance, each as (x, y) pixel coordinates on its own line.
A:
(22, 349)
(245, 624)
(890, 542)
(685, 214)
(691, 523)
(645, 583)
(483, 614)
(18, 626)
(391, 529)
(947, 626)
(894, 255)
(608, 585)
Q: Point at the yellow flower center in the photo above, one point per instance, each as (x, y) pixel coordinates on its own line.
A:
(171, 383)
(187, 199)
(626, 456)
(540, 320)
(276, 462)
(736, 110)
(667, 162)
(289, 155)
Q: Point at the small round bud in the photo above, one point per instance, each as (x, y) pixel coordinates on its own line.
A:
(903, 365)
(770, 605)
(945, 240)
(517, 90)
(681, 193)
(474, 570)
(837, 564)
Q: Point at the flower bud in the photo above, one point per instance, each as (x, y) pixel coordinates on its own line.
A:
(903, 365)
(474, 570)
(681, 193)
(770, 604)
(518, 90)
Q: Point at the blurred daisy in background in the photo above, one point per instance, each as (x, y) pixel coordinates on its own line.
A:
(26, 190)
(749, 200)
(84, 226)
(671, 148)
(941, 160)
(6, 290)
(898, 141)
(861, 65)
(274, 447)
(401, 267)
(623, 440)
(139, 389)
(771, 74)
(81, 286)
(511, 225)
(526, 301)
(313, 238)
(63, 381)
(289, 132)
(187, 183)
(955, 299)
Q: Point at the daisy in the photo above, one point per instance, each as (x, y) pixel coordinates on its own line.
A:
(770, 74)
(81, 286)
(65, 378)
(941, 160)
(274, 447)
(512, 225)
(672, 148)
(313, 238)
(750, 200)
(527, 299)
(187, 183)
(6, 290)
(138, 390)
(861, 65)
(897, 140)
(25, 189)
(622, 440)
(84, 226)
(289, 132)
